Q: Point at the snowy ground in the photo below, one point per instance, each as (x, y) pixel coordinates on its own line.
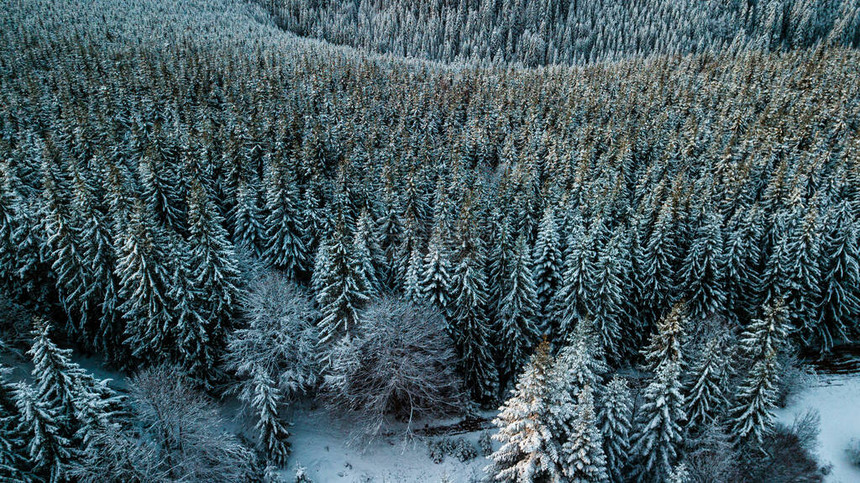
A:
(320, 445)
(837, 399)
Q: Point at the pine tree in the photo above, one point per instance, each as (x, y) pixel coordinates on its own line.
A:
(743, 254)
(583, 459)
(13, 461)
(273, 434)
(529, 451)
(368, 253)
(615, 422)
(436, 272)
(412, 281)
(54, 375)
(761, 342)
(97, 252)
(841, 276)
(803, 287)
(605, 306)
(469, 326)
(707, 398)
(190, 326)
(658, 440)
(213, 275)
(285, 248)
(518, 314)
(247, 220)
(73, 275)
(667, 341)
(161, 189)
(144, 282)
(499, 261)
(703, 270)
(547, 267)
(658, 266)
(577, 281)
(341, 289)
(47, 449)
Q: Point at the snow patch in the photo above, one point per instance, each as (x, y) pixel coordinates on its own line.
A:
(837, 399)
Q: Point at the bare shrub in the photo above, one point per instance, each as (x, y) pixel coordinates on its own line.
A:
(712, 457)
(787, 454)
(400, 364)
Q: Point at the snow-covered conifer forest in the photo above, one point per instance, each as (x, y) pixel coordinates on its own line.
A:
(403, 240)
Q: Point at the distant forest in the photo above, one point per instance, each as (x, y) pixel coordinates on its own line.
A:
(571, 32)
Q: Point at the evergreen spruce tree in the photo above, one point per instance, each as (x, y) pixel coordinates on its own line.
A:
(247, 220)
(761, 342)
(273, 433)
(841, 277)
(547, 267)
(97, 252)
(73, 275)
(615, 421)
(284, 248)
(583, 459)
(368, 253)
(412, 282)
(703, 270)
(605, 306)
(499, 261)
(436, 272)
(13, 460)
(658, 439)
(160, 183)
(659, 260)
(743, 254)
(707, 394)
(144, 281)
(469, 326)
(803, 288)
(341, 288)
(667, 341)
(518, 315)
(529, 451)
(213, 275)
(48, 450)
(54, 375)
(576, 285)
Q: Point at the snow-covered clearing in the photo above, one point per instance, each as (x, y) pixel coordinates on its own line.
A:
(837, 399)
(320, 445)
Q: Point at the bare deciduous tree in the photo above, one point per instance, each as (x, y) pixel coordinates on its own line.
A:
(400, 364)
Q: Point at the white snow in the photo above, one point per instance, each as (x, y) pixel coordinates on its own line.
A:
(837, 399)
(320, 445)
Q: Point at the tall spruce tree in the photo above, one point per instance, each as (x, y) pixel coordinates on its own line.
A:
(518, 315)
(436, 272)
(658, 440)
(547, 267)
(752, 415)
(284, 248)
(143, 272)
(529, 451)
(615, 423)
(48, 451)
(468, 326)
(583, 459)
(341, 288)
(703, 269)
